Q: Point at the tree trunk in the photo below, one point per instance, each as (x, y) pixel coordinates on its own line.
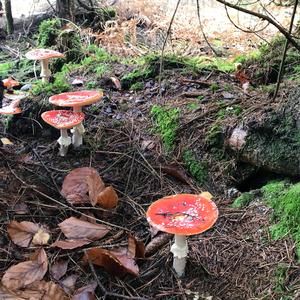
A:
(65, 9)
(9, 18)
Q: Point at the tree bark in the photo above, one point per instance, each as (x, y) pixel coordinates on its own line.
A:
(9, 18)
(65, 9)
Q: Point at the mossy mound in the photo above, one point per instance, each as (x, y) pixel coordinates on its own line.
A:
(284, 199)
(272, 139)
(265, 62)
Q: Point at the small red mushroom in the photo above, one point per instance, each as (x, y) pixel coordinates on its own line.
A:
(11, 109)
(63, 120)
(9, 83)
(76, 100)
(44, 55)
(182, 215)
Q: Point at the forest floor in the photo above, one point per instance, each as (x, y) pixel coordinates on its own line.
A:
(236, 259)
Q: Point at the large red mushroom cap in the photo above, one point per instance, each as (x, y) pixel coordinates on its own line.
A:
(40, 54)
(11, 109)
(10, 83)
(183, 214)
(62, 119)
(76, 99)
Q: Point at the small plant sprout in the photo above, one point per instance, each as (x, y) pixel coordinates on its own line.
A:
(76, 100)
(182, 215)
(63, 120)
(44, 55)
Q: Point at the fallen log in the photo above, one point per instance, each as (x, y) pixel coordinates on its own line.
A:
(270, 140)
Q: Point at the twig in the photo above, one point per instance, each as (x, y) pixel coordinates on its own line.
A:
(280, 73)
(203, 33)
(164, 46)
(266, 18)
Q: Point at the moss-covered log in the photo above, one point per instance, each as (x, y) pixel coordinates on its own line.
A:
(271, 139)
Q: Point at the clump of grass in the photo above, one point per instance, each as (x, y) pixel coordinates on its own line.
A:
(138, 86)
(243, 200)
(284, 199)
(167, 123)
(194, 166)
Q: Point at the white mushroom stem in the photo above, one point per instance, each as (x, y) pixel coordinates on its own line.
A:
(45, 72)
(180, 251)
(64, 142)
(77, 131)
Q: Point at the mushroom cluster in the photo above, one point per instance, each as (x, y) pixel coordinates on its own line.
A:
(66, 119)
(13, 107)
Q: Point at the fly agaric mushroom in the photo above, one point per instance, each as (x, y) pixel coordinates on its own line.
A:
(63, 120)
(182, 215)
(76, 100)
(15, 96)
(44, 55)
(11, 109)
(9, 83)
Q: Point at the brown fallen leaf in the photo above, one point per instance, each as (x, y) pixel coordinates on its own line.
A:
(59, 269)
(135, 247)
(86, 292)
(70, 244)
(74, 228)
(39, 290)
(108, 198)
(175, 171)
(23, 233)
(68, 284)
(25, 273)
(89, 217)
(75, 186)
(19, 208)
(117, 262)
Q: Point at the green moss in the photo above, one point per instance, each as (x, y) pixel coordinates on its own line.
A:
(138, 86)
(5, 69)
(49, 30)
(138, 75)
(101, 69)
(91, 85)
(214, 87)
(196, 168)
(192, 105)
(166, 124)
(213, 137)
(243, 200)
(200, 98)
(280, 277)
(284, 199)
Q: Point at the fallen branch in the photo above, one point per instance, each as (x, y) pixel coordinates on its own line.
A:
(266, 18)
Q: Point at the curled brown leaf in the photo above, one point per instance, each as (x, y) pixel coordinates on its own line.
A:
(23, 233)
(25, 273)
(74, 228)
